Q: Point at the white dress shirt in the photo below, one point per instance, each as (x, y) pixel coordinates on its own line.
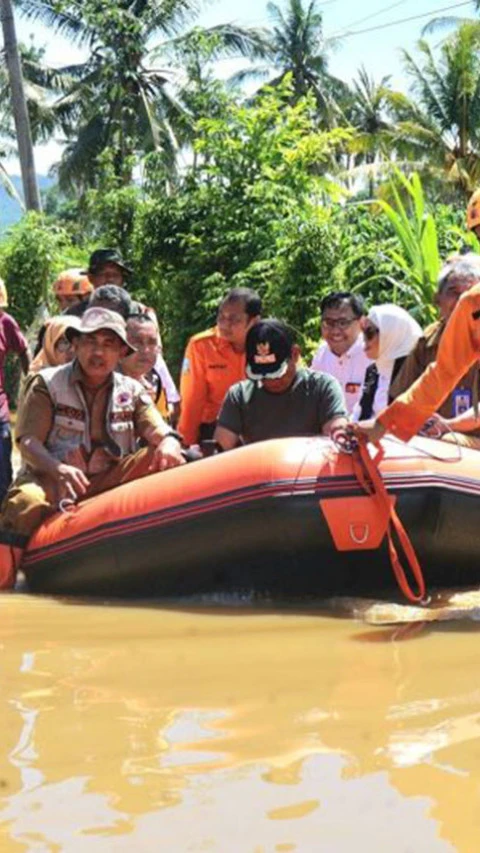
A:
(348, 368)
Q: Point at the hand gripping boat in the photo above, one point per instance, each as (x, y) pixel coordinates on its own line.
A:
(289, 517)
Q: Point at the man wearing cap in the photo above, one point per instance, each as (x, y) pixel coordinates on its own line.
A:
(77, 432)
(279, 399)
(106, 266)
(11, 340)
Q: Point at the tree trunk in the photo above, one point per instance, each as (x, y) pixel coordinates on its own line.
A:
(19, 106)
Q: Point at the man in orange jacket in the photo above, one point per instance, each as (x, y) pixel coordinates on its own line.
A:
(214, 360)
(458, 349)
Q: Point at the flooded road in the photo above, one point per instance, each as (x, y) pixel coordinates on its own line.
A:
(129, 728)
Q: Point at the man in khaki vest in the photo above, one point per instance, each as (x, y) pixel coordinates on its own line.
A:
(77, 432)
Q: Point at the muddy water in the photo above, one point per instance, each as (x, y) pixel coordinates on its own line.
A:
(168, 729)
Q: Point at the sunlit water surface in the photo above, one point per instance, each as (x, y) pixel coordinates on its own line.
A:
(163, 728)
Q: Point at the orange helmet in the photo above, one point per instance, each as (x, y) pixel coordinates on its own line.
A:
(473, 211)
(72, 283)
(3, 294)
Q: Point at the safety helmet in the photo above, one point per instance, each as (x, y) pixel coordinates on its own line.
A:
(3, 294)
(473, 211)
(72, 283)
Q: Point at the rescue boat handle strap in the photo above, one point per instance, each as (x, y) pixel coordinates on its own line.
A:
(368, 475)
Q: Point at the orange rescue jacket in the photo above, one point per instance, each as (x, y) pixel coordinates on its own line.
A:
(210, 367)
(458, 349)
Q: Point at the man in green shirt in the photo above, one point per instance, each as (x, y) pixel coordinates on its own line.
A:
(279, 399)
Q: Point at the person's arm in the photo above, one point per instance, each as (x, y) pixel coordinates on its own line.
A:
(226, 438)
(25, 359)
(413, 367)
(193, 393)
(159, 435)
(458, 349)
(71, 481)
(34, 422)
(466, 422)
(229, 426)
(331, 405)
(338, 423)
(17, 342)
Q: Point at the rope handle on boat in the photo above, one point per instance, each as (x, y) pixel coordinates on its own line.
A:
(368, 474)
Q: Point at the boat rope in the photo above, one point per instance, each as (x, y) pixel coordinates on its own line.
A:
(368, 475)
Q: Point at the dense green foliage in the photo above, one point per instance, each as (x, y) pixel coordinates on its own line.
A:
(292, 192)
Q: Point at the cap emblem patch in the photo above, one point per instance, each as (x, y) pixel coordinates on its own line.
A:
(263, 354)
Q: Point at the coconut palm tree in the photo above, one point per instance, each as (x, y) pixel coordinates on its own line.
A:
(123, 96)
(296, 46)
(19, 107)
(442, 124)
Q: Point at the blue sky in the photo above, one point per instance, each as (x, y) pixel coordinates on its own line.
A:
(378, 50)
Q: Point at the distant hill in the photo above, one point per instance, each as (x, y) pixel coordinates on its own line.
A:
(10, 211)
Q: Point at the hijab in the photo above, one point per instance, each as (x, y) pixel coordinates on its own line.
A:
(398, 334)
(54, 330)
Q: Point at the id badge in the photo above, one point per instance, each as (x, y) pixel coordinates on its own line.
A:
(462, 400)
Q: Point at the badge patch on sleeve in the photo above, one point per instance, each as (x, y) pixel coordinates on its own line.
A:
(186, 365)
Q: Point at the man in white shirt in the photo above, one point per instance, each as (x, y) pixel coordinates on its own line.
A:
(341, 353)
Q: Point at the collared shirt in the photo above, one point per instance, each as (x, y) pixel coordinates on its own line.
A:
(210, 367)
(423, 354)
(458, 350)
(11, 340)
(36, 413)
(349, 369)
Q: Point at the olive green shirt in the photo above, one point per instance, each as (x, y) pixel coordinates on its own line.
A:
(255, 414)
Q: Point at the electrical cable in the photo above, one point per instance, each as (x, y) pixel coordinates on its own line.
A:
(374, 14)
(398, 21)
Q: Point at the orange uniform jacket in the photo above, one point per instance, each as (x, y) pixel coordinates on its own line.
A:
(210, 367)
(458, 349)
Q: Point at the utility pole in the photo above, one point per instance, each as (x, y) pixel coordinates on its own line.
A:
(19, 107)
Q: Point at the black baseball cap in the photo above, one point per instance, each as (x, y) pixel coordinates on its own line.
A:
(269, 347)
(100, 257)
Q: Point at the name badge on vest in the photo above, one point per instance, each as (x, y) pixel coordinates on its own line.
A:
(462, 400)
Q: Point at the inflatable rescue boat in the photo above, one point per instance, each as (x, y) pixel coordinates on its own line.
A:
(288, 518)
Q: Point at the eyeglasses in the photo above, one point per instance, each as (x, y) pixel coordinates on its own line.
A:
(342, 323)
(370, 333)
(63, 345)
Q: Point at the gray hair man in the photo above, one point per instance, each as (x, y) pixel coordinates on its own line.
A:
(458, 275)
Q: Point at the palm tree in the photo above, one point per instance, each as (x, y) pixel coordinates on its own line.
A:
(19, 107)
(443, 124)
(369, 111)
(122, 97)
(296, 46)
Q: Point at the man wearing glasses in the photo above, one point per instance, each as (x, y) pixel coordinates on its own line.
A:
(214, 360)
(341, 353)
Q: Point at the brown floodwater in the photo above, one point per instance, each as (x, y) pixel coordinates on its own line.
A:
(196, 728)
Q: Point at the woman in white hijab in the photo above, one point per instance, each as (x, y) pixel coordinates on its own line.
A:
(389, 333)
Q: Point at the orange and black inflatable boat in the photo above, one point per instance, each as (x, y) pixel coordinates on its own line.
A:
(288, 517)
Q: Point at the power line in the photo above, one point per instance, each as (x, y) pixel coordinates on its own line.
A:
(398, 21)
(374, 14)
